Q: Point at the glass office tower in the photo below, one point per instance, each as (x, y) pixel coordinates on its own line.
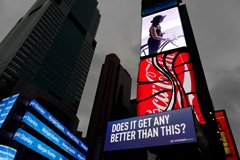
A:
(52, 48)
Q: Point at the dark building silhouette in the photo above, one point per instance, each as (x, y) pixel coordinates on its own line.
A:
(52, 47)
(210, 129)
(111, 102)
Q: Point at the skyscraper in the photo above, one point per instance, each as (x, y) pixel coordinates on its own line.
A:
(52, 48)
(111, 103)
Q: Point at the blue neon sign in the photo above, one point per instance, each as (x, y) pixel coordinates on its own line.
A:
(37, 125)
(7, 153)
(5, 107)
(36, 145)
(34, 104)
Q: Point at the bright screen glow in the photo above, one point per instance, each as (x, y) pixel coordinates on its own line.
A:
(37, 125)
(35, 105)
(167, 82)
(159, 6)
(226, 136)
(5, 107)
(36, 145)
(170, 29)
(7, 153)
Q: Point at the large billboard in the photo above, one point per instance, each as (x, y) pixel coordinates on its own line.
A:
(161, 32)
(167, 82)
(36, 145)
(226, 136)
(48, 133)
(35, 105)
(168, 128)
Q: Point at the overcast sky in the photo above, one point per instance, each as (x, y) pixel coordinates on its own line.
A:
(215, 25)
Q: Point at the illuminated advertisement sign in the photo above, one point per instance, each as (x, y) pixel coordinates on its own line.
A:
(226, 135)
(35, 105)
(36, 145)
(168, 128)
(160, 6)
(5, 107)
(161, 32)
(7, 153)
(37, 125)
(167, 82)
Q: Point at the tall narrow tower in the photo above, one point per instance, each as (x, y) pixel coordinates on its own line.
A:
(171, 76)
(111, 102)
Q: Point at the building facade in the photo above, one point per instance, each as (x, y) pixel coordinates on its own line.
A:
(52, 47)
(111, 103)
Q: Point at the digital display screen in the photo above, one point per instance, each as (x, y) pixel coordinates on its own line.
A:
(36, 145)
(161, 32)
(7, 153)
(37, 125)
(157, 7)
(167, 82)
(5, 107)
(35, 105)
(226, 135)
(168, 128)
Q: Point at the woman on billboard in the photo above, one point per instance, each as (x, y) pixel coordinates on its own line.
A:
(156, 36)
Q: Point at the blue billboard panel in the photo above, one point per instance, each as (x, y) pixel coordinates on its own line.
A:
(160, 6)
(37, 125)
(35, 105)
(36, 145)
(166, 128)
(7, 153)
(5, 107)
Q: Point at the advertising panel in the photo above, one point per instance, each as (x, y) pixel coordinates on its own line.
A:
(7, 153)
(36, 145)
(35, 105)
(226, 135)
(37, 125)
(168, 128)
(161, 32)
(167, 82)
(5, 107)
(146, 9)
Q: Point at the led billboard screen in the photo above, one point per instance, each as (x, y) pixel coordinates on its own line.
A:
(156, 5)
(40, 127)
(167, 82)
(226, 135)
(7, 153)
(36, 145)
(162, 31)
(5, 107)
(168, 128)
(35, 105)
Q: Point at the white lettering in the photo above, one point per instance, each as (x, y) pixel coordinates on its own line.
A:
(161, 120)
(120, 127)
(148, 133)
(37, 107)
(143, 123)
(44, 150)
(123, 136)
(50, 135)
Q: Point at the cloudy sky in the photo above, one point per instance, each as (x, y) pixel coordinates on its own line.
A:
(215, 25)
